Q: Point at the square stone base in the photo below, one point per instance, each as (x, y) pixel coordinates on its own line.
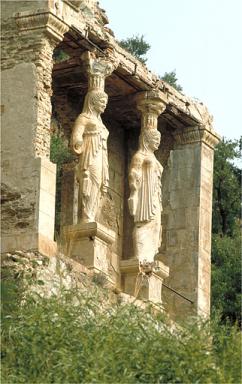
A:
(143, 285)
(90, 244)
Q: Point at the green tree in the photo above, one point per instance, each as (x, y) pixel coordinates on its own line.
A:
(226, 190)
(170, 78)
(137, 46)
(226, 242)
(226, 276)
(60, 154)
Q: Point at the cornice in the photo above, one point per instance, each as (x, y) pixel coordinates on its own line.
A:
(198, 134)
(44, 22)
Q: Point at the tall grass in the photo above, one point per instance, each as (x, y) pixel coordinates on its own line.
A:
(73, 338)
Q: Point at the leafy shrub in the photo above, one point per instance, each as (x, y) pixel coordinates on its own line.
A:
(60, 154)
(226, 276)
(75, 338)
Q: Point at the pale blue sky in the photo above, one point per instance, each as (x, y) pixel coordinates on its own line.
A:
(201, 39)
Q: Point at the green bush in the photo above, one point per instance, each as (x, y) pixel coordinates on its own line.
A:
(226, 276)
(60, 154)
(73, 338)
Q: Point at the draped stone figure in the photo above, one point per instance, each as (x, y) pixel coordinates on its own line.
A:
(89, 135)
(89, 141)
(145, 203)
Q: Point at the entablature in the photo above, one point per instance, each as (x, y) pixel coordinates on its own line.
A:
(82, 26)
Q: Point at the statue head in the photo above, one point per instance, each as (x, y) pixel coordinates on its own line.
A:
(95, 101)
(149, 139)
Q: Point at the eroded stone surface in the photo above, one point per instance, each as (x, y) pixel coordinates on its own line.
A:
(31, 31)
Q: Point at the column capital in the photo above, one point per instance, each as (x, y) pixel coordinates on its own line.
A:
(99, 67)
(151, 104)
(197, 134)
(45, 22)
(152, 101)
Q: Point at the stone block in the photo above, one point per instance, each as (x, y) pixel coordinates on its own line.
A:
(176, 219)
(18, 120)
(141, 285)
(46, 225)
(203, 303)
(205, 220)
(205, 240)
(47, 203)
(207, 158)
(91, 245)
(48, 176)
(184, 198)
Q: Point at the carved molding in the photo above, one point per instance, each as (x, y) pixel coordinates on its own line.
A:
(151, 104)
(45, 21)
(75, 3)
(99, 67)
(195, 135)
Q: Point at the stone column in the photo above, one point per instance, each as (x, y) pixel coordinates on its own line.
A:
(142, 275)
(88, 241)
(28, 175)
(188, 216)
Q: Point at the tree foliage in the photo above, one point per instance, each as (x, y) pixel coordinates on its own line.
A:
(60, 154)
(170, 78)
(226, 191)
(71, 338)
(226, 276)
(226, 239)
(137, 46)
(59, 56)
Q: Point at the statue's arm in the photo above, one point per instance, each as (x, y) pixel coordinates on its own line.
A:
(77, 134)
(135, 175)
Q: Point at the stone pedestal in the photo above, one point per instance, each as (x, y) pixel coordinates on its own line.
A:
(143, 281)
(90, 244)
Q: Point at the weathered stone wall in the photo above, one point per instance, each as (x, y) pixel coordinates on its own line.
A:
(21, 170)
(187, 212)
(18, 175)
(27, 77)
(30, 32)
(47, 276)
(35, 49)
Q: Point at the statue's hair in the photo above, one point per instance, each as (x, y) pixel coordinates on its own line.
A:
(90, 99)
(145, 137)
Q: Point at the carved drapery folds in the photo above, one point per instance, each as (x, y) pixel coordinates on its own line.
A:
(89, 137)
(145, 201)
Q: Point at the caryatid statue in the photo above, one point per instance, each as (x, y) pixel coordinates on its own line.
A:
(145, 201)
(89, 139)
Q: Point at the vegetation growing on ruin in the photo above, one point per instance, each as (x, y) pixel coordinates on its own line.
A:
(71, 338)
(60, 154)
(170, 78)
(139, 48)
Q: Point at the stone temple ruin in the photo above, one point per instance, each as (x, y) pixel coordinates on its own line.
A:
(136, 198)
